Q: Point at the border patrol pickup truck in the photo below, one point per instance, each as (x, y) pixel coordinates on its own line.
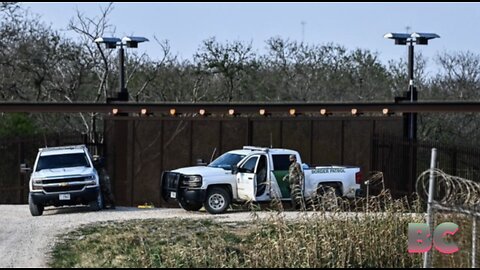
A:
(64, 176)
(252, 174)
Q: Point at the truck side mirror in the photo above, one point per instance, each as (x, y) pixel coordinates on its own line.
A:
(24, 168)
(234, 169)
(201, 162)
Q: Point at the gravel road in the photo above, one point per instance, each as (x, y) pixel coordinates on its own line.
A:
(26, 241)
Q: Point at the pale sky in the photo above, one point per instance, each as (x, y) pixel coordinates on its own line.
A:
(354, 25)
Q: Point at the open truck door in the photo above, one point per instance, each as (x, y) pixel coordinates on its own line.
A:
(247, 179)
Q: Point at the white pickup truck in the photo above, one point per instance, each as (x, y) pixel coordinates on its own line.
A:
(251, 174)
(64, 176)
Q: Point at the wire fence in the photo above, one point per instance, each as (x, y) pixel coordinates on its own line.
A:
(453, 194)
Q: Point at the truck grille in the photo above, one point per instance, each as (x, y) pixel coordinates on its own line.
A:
(63, 180)
(173, 180)
(66, 188)
(170, 183)
(63, 189)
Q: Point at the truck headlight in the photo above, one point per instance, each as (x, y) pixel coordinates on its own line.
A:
(193, 181)
(36, 184)
(37, 181)
(92, 180)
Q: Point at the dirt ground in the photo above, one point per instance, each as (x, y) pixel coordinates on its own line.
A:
(26, 241)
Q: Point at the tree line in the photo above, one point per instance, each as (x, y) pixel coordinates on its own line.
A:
(39, 64)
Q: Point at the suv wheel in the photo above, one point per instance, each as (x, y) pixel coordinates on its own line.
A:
(217, 200)
(97, 205)
(189, 206)
(35, 209)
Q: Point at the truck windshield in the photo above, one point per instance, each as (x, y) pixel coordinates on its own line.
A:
(62, 161)
(226, 161)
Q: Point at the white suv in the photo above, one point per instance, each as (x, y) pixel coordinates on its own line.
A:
(64, 176)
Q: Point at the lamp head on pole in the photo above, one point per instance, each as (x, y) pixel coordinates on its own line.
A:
(132, 42)
(110, 42)
(418, 38)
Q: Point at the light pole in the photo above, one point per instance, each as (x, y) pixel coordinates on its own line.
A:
(410, 39)
(410, 132)
(112, 43)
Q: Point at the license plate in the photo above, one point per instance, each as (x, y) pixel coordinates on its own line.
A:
(64, 197)
(173, 195)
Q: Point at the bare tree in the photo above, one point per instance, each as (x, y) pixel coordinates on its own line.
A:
(150, 69)
(230, 61)
(99, 59)
(458, 79)
(96, 58)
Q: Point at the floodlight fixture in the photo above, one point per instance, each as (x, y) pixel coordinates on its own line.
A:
(387, 112)
(263, 112)
(417, 38)
(132, 42)
(203, 112)
(400, 38)
(232, 112)
(423, 38)
(112, 43)
(325, 112)
(293, 112)
(410, 39)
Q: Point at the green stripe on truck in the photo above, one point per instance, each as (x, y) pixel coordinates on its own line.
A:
(284, 185)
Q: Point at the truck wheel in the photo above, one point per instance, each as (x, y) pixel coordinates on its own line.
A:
(327, 197)
(217, 201)
(35, 209)
(190, 206)
(97, 205)
(326, 189)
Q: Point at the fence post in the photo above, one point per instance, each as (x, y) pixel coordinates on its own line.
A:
(474, 242)
(427, 259)
(21, 181)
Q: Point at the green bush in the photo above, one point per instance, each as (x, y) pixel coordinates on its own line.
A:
(17, 124)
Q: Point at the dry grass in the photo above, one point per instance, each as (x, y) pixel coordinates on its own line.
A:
(373, 235)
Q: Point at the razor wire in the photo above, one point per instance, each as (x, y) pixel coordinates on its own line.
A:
(444, 192)
(450, 191)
